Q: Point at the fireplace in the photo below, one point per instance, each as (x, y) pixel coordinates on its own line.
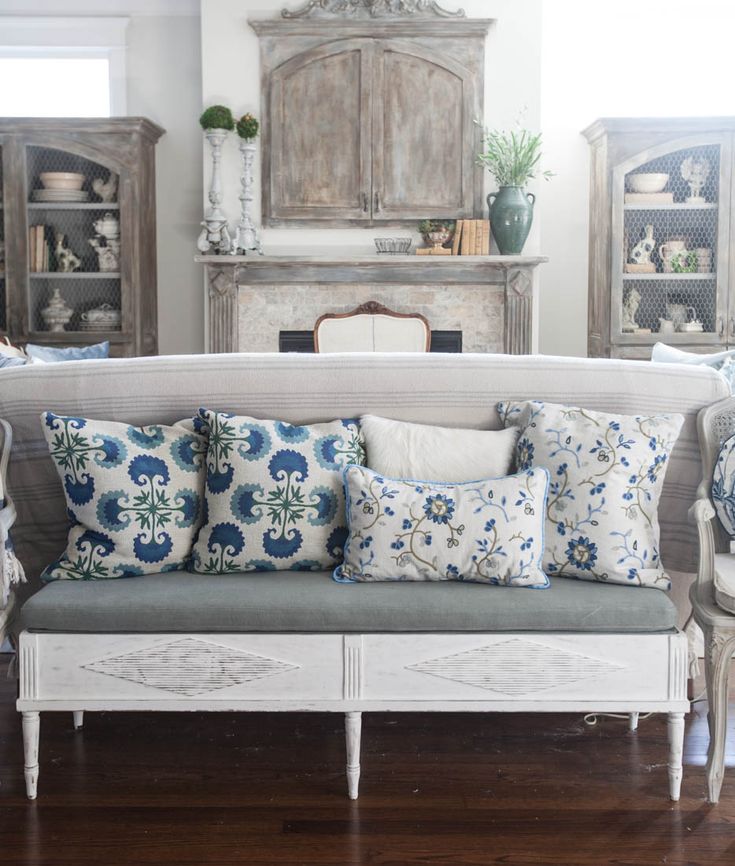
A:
(252, 300)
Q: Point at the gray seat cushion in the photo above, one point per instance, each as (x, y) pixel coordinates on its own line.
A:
(313, 602)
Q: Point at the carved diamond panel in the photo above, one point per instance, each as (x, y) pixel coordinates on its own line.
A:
(515, 667)
(189, 667)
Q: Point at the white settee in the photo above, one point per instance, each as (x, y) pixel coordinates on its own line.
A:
(299, 641)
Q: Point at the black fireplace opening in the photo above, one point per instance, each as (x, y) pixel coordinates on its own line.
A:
(303, 341)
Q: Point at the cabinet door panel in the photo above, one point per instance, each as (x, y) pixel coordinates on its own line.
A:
(422, 166)
(320, 126)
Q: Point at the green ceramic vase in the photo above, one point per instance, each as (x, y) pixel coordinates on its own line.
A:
(511, 215)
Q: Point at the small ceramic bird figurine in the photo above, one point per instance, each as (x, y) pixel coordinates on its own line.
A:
(106, 189)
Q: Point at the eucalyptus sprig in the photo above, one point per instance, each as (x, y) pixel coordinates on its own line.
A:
(512, 158)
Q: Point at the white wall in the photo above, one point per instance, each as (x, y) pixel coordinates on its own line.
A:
(231, 75)
(164, 84)
(658, 58)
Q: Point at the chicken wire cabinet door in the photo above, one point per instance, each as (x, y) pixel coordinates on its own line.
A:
(659, 236)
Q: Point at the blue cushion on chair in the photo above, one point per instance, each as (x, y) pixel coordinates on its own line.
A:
(723, 362)
(50, 354)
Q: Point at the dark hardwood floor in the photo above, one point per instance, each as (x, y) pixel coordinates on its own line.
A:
(454, 789)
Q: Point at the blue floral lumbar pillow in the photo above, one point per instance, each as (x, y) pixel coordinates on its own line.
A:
(607, 472)
(480, 531)
(274, 496)
(134, 496)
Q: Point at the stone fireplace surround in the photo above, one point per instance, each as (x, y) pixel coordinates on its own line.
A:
(251, 299)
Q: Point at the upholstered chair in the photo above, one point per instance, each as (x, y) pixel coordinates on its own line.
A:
(372, 328)
(713, 593)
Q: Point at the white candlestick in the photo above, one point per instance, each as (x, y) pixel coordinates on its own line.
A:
(246, 237)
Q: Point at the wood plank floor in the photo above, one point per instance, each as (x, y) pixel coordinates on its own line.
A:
(523, 790)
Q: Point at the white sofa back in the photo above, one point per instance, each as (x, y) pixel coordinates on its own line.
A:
(451, 390)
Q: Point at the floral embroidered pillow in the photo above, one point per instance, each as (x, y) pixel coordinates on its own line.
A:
(607, 472)
(274, 495)
(479, 531)
(723, 486)
(133, 494)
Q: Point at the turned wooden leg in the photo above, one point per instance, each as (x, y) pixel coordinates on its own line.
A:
(353, 727)
(78, 719)
(718, 652)
(676, 753)
(633, 721)
(31, 734)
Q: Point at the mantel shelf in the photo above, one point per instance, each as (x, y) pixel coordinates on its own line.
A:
(449, 262)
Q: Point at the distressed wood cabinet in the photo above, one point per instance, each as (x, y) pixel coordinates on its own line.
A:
(697, 285)
(94, 148)
(368, 122)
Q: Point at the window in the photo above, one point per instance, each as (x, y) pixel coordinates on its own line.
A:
(54, 87)
(62, 67)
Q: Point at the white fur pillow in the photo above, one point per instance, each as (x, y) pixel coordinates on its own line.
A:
(420, 452)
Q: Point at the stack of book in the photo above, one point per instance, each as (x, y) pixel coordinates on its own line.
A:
(471, 238)
(39, 249)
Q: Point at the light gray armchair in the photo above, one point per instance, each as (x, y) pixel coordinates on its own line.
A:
(710, 595)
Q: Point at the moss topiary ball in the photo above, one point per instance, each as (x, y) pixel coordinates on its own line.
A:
(247, 127)
(217, 117)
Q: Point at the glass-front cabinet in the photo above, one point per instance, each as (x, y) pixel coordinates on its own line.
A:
(79, 233)
(660, 235)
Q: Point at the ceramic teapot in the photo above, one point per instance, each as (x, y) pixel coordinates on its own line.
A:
(108, 226)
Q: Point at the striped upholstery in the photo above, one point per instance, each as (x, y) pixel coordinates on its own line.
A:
(451, 390)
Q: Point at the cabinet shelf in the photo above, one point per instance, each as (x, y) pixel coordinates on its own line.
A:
(82, 337)
(70, 205)
(74, 275)
(676, 277)
(677, 206)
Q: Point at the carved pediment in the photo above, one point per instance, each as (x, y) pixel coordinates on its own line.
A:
(372, 9)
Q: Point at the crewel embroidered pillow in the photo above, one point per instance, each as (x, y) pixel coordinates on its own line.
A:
(478, 531)
(134, 496)
(274, 495)
(607, 472)
(723, 486)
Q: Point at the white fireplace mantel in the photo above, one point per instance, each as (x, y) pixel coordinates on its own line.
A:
(252, 298)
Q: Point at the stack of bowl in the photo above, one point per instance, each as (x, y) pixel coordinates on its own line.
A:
(61, 186)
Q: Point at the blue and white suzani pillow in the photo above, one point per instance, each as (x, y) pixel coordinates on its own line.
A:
(274, 495)
(478, 531)
(607, 472)
(723, 486)
(134, 496)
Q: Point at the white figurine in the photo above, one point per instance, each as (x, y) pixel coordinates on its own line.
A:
(106, 189)
(641, 252)
(630, 309)
(108, 254)
(66, 260)
(695, 172)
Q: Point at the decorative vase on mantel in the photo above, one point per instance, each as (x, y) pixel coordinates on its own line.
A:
(511, 215)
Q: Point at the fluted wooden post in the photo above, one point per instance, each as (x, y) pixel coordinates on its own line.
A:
(518, 311)
(222, 327)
